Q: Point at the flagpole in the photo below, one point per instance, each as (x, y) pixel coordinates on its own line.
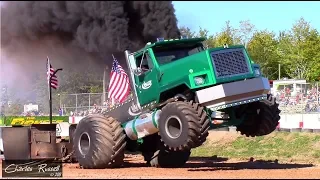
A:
(48, 71)
(112, 99)
(50, 100)
(50, 94)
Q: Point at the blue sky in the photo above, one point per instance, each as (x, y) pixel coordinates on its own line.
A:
(271, 15)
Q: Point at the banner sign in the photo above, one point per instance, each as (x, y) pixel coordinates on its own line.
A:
(28, 120)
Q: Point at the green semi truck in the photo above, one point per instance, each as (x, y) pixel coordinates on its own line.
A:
(178, 85)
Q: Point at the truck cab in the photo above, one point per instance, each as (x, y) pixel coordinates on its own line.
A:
(165, 68)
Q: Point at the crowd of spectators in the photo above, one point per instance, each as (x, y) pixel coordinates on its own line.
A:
(303, 100)
(95, 109)
(33, 113)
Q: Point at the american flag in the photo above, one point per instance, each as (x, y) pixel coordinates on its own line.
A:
(50, 71)
(119, 86)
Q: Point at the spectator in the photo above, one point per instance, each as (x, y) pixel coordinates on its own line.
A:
(60, 112)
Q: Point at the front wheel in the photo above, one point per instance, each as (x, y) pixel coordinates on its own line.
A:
(261, 118)
(183, 125)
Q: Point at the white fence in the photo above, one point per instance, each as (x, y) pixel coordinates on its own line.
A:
(304, 121)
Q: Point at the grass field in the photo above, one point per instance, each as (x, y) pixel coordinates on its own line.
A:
(286, 147)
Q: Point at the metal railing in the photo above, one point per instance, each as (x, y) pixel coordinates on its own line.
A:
(84, 103)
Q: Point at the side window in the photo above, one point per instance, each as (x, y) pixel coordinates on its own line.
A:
(149, 61)
(146, 61)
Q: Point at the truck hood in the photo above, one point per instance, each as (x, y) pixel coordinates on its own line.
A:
(178, 72)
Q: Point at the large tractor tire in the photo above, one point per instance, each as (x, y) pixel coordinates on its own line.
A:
(156, 155)
(261, 118)
(183, 125)
(99, 142)
(204, 122)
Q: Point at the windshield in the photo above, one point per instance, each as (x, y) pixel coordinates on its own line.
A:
(170, 53)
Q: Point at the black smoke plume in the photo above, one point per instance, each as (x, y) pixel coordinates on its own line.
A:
(75, 34)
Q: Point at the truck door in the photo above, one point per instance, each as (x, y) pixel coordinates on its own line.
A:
(146, 83)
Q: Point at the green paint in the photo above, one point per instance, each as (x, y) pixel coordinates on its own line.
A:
(25, 120)
(133, 127)
(154, 120)
(164, 76)
(140, 141)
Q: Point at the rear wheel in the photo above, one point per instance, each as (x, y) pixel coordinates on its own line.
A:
(169, 159)
(156, 155)
(261, 119)
(99, 142)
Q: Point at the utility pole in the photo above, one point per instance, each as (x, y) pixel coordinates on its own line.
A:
(279, 72)
(105, 83)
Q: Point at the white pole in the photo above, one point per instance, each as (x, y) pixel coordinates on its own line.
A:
(59, 100)
(76, 103)
(317, 93)
(89, 101)
(112, 101)
(279, 72)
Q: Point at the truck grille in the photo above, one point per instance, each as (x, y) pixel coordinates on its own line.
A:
(229, 62)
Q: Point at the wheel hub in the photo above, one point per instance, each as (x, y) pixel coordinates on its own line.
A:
(173, 127)
(84, 143)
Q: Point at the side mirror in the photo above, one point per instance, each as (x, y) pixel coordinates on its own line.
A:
(138, 71)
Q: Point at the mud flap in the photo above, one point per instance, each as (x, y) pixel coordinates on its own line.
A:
(43, 141)
(72, 129)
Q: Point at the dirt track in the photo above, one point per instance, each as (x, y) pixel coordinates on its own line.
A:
(198, 168)
(206, 167)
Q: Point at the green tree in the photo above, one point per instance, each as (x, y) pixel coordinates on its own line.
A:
(226, 36)
(263, 49)
(245, 32)
(210, 40)
(187, 32)
(300, 50)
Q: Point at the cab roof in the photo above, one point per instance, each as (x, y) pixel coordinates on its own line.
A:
(170, 42)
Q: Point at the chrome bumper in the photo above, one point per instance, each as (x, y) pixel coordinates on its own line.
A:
(234, 94)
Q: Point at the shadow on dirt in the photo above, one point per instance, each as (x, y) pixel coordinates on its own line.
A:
(218, 163)
(208, 159)
(215, 163)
